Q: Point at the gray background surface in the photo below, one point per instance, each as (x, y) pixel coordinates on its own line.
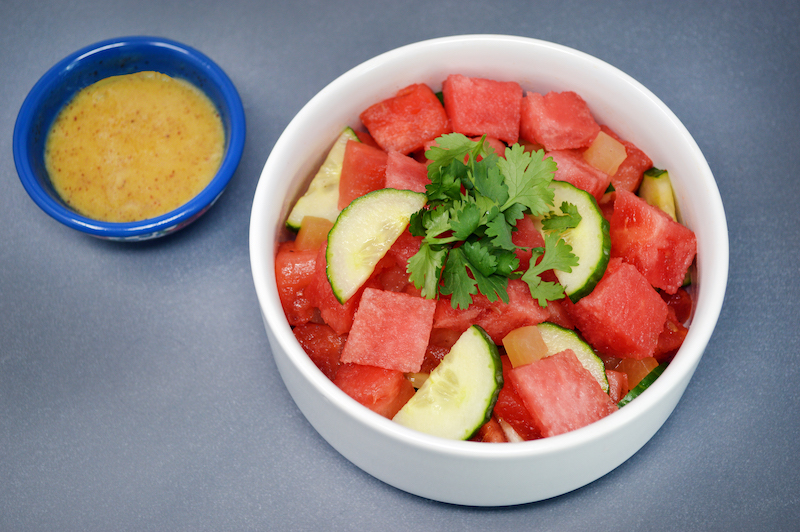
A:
(137, 389)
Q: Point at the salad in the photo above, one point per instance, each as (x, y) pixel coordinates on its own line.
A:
(486, 263)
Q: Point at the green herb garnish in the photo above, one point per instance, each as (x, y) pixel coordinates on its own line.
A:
(475, 199)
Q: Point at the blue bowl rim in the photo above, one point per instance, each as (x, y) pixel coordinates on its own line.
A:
(165, 223)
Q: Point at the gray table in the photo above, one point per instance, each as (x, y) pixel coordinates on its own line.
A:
(137, 389)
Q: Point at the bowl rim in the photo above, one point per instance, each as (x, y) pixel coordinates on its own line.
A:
(680, 370)
(166, 222)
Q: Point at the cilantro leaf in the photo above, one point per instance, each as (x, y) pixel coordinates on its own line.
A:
(527, 177)
(556, 255)
(425, 268)
(568, 219)
(474, 200)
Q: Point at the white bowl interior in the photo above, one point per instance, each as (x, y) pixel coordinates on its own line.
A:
(466, 472)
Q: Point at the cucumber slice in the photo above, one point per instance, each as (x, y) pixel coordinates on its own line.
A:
(590, 240)
(363, 233)
(558, 339)
(656, 189)
(460, 394)
(322, 197)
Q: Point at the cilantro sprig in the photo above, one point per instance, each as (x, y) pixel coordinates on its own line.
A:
(474, 201)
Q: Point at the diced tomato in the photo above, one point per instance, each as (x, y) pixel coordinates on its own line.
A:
(509, 407)
(406, 121)
(629, 174)
(363, 170)
(574, 169)
(404, 173)
(478, 106)
(323, 346)
(644, 236)
(680, 302)
(623, 316)
(294, 271)
(671, 338)
(320, 295)
(441, 340)
(390, 330)
(557, 120)
(490, 432)
(381, 390)
(617, 385)
(561, 394)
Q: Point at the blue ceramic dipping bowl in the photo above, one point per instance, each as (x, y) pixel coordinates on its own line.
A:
(111, 58)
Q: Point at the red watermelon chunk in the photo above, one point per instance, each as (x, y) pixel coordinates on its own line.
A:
(557, 121)
(496, 318)
(390, 330)
(573, 168)
(338, 316)
(646, 237)
(478, 106)
(363, 170)
(384, 391)
(323, 345)
(623, 316)
(406, 121)
(526, 236)
(294, 271)
(629, 174)
(509, 407)
(405, 173)
(561, 394)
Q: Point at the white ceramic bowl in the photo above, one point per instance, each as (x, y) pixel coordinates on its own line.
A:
(472, 473)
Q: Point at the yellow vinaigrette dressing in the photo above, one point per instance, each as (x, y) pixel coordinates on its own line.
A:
(133, 147)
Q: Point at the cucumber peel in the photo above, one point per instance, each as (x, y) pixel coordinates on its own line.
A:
(363, 233)
(656, 189)
(644, 384)
(590, 240)
(557, 339)
(459, 395)
(322, 197)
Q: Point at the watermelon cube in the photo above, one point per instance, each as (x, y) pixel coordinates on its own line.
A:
(646, 237)
(526, 236)
(405, 173)
(623, 316)
(510, 408)
(495, 317)
(573, 168)
(363, 170)
(390, 330)
(294, 272)
(323, 346)
(407, 120)
(561, 394)
(557, 121)
(384, 391)
(629, 174)
(478, 106)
